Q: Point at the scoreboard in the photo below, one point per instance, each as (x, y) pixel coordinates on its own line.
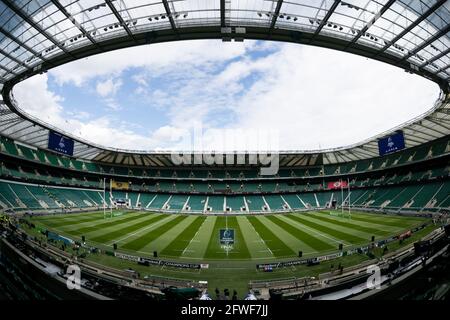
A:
(60, 143)
(392, 143)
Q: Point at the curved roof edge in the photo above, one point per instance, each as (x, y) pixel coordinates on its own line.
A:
(425, 54)
(432, 125)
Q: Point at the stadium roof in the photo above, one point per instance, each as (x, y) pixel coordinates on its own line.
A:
(37, 35)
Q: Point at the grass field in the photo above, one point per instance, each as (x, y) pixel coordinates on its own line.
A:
(257, 239)
(196, 237)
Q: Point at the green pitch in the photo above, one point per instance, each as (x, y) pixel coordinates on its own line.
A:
(195, 238)
(257, 237)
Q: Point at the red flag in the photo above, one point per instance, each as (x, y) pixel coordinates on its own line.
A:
(337, 184)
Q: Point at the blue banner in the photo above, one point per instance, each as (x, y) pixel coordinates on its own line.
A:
(391, 144)
(60, 143)
(226, 236)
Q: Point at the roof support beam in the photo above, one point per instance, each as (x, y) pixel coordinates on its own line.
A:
(445, 111)
(38, 136)
(439, 124)
(447, 120)
(416, 141)
(8, 121)
(39, 141)
(275, 15)
(371, 22)
(82, 150)
(14, 123)
(116, 154)
(443, 69)
(413, 25)
(222, 13)
(370, 146)
(289, 161)
(350, 151)
(86, 152)
(119, 18)
(20, 43)
(27, 133)
(325, 155)
(343, 156)
(7, 70)
(4, 112)
(10, 57)
(326, 18)
(415, 136)
(295, 160)
(134, 160)
(433, 129)
(102, 156)
(72, 19)
(440, 55)
(427, 42)
(30, 21)
(21, 129)
(169, 15)
(144, 159)
(364, 153)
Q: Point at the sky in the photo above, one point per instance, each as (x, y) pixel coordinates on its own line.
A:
(210, 95)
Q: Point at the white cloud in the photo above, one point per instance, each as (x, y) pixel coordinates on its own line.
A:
(315, 98)
(140, 79)
(344, 101)
(36, 99)
(80, 115)
(108, 87)
(157, 56)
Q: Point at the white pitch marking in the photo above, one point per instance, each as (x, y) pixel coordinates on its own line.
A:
(262, 240)
(321, 234)
(193, 239)
(139, 231)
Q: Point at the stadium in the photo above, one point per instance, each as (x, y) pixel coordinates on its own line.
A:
(121, 223)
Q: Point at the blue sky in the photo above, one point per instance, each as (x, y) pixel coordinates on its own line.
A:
(151, 97)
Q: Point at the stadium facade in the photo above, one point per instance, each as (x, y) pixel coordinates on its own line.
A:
(46, 170)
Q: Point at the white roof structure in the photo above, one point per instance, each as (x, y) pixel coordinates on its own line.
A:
(37, 35)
